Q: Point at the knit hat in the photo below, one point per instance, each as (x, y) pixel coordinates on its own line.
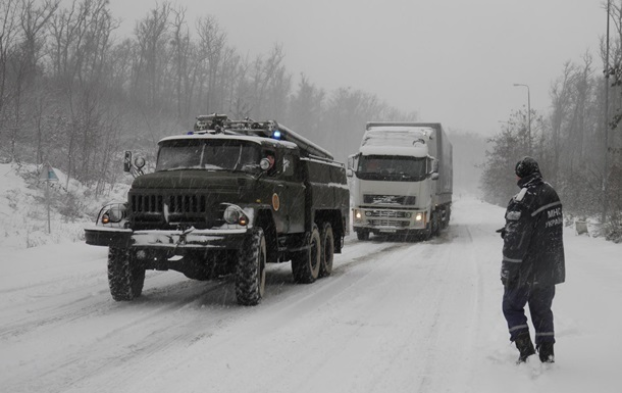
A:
(526, 166)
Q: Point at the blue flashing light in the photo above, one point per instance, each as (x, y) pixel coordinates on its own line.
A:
(190, 133)
(276, 134)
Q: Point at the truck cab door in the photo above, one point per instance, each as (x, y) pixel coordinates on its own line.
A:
(292, 192)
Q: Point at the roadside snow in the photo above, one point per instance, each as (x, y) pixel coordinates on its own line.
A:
(23, 208)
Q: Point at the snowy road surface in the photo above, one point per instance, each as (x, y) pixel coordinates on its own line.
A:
(393, 317)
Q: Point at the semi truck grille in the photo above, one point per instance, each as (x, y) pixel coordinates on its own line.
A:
(389, 199)
(389, 223)
(388, 213)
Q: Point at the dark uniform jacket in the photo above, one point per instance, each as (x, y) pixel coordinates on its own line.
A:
(533, 250)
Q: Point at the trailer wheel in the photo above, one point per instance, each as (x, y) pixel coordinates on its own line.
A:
(250, 276)
(306, 264)
(328, 250)
(125, 277)
(362, 234)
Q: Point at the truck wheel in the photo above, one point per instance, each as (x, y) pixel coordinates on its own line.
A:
(306, 264)
(447, 217)
(436, 223)
(125, 279)
(426, 234)
(250, 276)
(362, 234)
(328, 250)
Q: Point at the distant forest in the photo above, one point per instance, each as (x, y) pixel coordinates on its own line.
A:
(74, 95)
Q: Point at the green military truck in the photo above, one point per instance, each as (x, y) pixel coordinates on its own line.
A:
(225, 199)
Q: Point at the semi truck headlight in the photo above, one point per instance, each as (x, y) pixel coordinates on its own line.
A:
(419, 217)
(234, 215)
(357, 214)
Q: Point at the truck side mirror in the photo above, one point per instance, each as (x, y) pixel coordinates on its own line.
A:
(127, 161)
(353, 161)
(349, 172)
(139, 163)
(265, 164)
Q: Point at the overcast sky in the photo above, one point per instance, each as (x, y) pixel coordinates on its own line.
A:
(451, 61)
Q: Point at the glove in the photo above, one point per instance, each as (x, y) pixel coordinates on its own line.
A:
(501, 231)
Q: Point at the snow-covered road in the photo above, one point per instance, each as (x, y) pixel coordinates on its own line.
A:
(393, 317)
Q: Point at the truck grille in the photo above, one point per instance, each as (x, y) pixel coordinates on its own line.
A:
(389, 223)
(388, 213)
(388, 199)
(176, 203)
(147, 211)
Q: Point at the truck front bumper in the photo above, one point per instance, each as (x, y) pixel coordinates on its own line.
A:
(389, 220)
(166, 239)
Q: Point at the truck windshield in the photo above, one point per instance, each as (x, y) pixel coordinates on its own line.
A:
(210, 155)
(391, 168)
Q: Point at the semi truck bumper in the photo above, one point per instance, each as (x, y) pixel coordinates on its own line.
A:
(389, 220)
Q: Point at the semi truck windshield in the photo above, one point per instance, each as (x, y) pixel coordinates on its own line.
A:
(392, 168)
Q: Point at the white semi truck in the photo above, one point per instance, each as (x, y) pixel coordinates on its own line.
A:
(402, 180)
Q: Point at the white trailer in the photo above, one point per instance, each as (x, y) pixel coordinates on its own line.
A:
(402, 180)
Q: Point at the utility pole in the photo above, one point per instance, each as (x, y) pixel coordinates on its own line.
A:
(606, 121)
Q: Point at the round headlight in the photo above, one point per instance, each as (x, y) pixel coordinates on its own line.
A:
(116, 213)
(113, 213)
(235, 215)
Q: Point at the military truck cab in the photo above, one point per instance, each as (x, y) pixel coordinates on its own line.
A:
(225, 199)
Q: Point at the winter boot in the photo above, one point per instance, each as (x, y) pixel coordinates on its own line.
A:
(525, 346)
(545, 351)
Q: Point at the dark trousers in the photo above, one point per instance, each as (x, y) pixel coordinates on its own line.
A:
(540, 300)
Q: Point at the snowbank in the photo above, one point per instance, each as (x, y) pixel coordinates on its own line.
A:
(23, 207)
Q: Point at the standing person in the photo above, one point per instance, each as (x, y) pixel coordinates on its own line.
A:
(533, 261)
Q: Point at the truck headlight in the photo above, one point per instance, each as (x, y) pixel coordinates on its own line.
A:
(112, 213)
(357, 214)
(234, 215)
(419, 217)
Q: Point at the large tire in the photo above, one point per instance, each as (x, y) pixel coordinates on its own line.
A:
(362, 234)
(306, 264)
(436, 223)
(125, 277)
(426, 234)
(447, 217)
(250, 276)
(328, 250)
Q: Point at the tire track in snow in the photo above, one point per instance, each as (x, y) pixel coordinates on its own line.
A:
(135, 341)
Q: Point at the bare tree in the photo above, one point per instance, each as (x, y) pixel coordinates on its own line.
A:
(8, 34)
(152, 38)
(211, 46)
